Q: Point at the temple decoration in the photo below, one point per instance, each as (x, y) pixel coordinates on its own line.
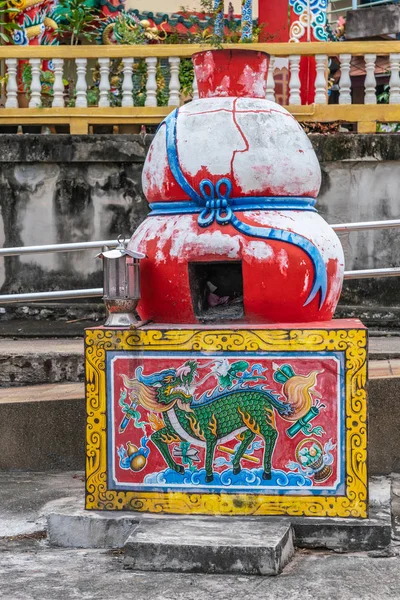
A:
(308, 21)
(297, 21)
(247, 20)
(219, 17)
(109, 29)
(236, 393)
(37, 21)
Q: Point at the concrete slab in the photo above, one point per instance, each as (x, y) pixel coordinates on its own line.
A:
(204, 545)
(69, 525)
(42, 393)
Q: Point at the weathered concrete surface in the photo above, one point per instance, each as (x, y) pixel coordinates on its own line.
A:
(69, 525)
(60, 189)
(204, 545)
(47, 434)
(67, 188)
(32, 571)
(383, 424)
(369, 23)
(29, 362)
(23, 496)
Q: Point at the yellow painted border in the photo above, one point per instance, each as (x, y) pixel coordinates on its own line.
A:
(352, 342)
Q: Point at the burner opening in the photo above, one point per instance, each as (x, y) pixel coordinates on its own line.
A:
(217, 290)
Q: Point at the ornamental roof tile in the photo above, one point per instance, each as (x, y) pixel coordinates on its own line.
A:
(181, 22)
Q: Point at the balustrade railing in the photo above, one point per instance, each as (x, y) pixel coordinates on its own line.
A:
(148, 83)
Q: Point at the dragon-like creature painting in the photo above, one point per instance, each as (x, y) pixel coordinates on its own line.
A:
(239, 404)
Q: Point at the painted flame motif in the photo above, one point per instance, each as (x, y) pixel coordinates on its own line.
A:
(297, 390)
(249, 421)
(168, 438)
(212, 425)
(156, 422)
(195, 427)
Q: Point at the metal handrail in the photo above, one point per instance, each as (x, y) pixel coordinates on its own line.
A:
(20, 250)
(72, 247)
(98, 292)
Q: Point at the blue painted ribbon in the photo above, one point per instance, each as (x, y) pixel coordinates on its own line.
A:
(214, 203)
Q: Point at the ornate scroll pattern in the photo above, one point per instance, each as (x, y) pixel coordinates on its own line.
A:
(351, 342)
(312, 14)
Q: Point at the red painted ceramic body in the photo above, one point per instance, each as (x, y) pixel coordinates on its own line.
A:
(263, 152)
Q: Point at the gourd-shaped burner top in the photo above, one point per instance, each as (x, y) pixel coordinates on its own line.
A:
(231, 180)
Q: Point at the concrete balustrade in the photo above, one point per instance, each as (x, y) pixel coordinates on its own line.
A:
(160, 72)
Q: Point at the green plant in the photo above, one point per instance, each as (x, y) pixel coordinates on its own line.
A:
(7, 24)
(186, 76)
(79, 22)
(383, 98)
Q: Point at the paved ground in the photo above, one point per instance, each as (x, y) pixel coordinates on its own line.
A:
(30, 570)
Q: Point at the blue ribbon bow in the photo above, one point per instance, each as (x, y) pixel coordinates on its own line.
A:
(217, 209)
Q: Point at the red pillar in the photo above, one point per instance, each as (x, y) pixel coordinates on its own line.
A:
(274, 15)
(277, 17)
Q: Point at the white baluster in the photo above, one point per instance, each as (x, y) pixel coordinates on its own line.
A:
(127, 84)
(104, 84)
(294, 83)
(12, 86)
(321, 83)
(394, 82)
(81, 85)
(151, 84)
(195, 88)
(345, 81)
(174, 83)
(58, 86)
(370, 81)
(36, 86)
(270, 95)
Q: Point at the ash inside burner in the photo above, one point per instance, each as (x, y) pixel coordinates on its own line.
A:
(217, 290)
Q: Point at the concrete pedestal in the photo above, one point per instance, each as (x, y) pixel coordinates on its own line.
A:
(267, 420)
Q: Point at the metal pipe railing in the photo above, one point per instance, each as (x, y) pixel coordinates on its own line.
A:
(20, 250)
(364, 225)
(61, 295)
(98, 292)
(73, 247)
(372, 273)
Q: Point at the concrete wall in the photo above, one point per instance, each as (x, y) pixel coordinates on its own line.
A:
(56, 189)
(369, 23)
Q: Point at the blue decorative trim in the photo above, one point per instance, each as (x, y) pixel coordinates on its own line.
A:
(215, 204)
(237, 205)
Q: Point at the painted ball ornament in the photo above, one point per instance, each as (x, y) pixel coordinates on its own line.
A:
(232, 182)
